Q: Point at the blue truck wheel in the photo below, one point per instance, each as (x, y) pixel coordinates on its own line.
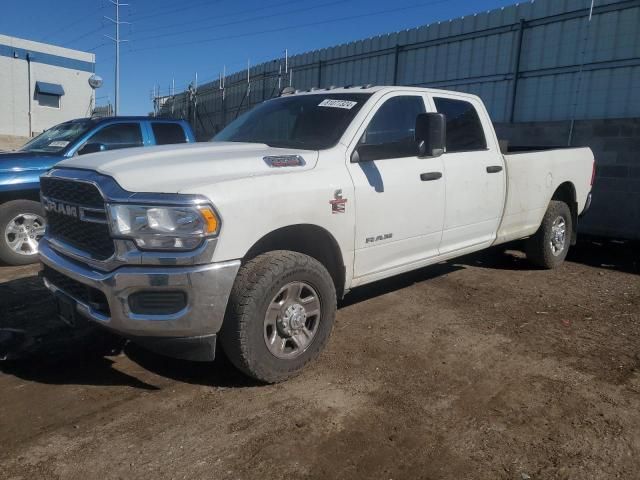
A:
(22, 226)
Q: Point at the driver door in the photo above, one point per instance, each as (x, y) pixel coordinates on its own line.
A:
(399, 198)
(116, 136)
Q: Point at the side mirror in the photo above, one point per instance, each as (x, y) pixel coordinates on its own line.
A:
(431, 134)
(368, 153)
(92, 148)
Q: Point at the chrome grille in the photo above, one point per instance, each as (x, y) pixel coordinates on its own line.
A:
(90, 237)
(79, 193)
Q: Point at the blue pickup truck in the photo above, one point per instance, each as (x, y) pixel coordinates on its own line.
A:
(21, 218)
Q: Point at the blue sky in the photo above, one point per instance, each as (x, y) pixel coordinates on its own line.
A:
(176, 38)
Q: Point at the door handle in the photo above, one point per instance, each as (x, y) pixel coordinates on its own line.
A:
(494, 169)
(427, 177)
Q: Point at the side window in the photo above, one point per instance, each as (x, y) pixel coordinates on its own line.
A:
(464, 129)
(48, 100)
(168, 133)
(391, 132)
(119, 135)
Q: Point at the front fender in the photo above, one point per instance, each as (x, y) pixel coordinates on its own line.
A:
(16, 181)
(252, 208)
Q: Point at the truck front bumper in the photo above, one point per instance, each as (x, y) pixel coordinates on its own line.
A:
(106, 299)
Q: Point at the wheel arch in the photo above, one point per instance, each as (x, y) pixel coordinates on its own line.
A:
(31, 194)
(566, 192)
(308, 239)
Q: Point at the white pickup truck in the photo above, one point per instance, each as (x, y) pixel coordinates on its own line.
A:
(251, 238)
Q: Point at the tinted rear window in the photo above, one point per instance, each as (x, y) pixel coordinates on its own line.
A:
(464, 129)
(168, 133)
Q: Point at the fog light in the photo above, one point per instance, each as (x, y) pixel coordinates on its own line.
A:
(155, 302)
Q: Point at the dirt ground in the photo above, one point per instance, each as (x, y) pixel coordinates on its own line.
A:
(480, 368)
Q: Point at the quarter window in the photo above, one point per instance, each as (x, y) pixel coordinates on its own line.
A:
(119, 135)
(168, 133)
(464, 129)
(391, 132)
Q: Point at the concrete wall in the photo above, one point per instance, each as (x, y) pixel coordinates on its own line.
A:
(616, 144)
(9, 142)
(69, 68)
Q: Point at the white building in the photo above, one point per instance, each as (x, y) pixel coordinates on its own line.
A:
(42, 85)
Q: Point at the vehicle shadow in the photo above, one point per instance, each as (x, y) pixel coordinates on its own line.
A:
(621, 256)
(72, 368)
(35, 345)
(39, 347)
(219, 373)
(398, 282)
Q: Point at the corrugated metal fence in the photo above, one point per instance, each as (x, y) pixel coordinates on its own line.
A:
(537, 61)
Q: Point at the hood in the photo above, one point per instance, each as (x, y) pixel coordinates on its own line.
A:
(11, 162)
(173, 168)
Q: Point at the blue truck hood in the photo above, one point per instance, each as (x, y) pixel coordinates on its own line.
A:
(15, 162)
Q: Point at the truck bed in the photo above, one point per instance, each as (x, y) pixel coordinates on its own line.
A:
(533, 175)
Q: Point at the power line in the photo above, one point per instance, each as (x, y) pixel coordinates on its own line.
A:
(93, 49)
(243, 20)
(174, 10)
(216, 17)
(294, 27)
(66, 27)
(85, 35)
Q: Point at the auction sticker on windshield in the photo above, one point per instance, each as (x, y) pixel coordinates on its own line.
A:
(59, 143)
(328, 102)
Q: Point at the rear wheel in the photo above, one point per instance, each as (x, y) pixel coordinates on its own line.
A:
(280, 314)
(549, 246)
(22, 225)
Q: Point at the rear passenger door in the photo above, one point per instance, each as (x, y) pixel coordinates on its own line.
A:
(474, 175)
(167, 133)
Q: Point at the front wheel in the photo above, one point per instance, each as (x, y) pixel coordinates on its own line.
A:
(280, 314)
(549, 246)
(22, 225)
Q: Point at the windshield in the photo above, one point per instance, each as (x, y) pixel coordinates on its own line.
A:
(58, 138)
(311, 122)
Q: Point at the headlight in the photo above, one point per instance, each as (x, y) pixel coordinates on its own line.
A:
(163, 228)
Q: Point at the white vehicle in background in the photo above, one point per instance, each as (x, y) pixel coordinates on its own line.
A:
(251, 238)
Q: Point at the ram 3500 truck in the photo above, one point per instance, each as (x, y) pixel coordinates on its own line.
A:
(21, 217)
(251, 238)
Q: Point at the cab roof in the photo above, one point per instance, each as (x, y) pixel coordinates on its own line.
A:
(130, 118)
(374, 89)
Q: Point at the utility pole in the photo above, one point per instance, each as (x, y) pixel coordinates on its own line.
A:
(173, 94)
(117, 40)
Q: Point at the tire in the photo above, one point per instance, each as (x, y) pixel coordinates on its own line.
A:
(265, 330)
(22, 225)
(549, 246)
